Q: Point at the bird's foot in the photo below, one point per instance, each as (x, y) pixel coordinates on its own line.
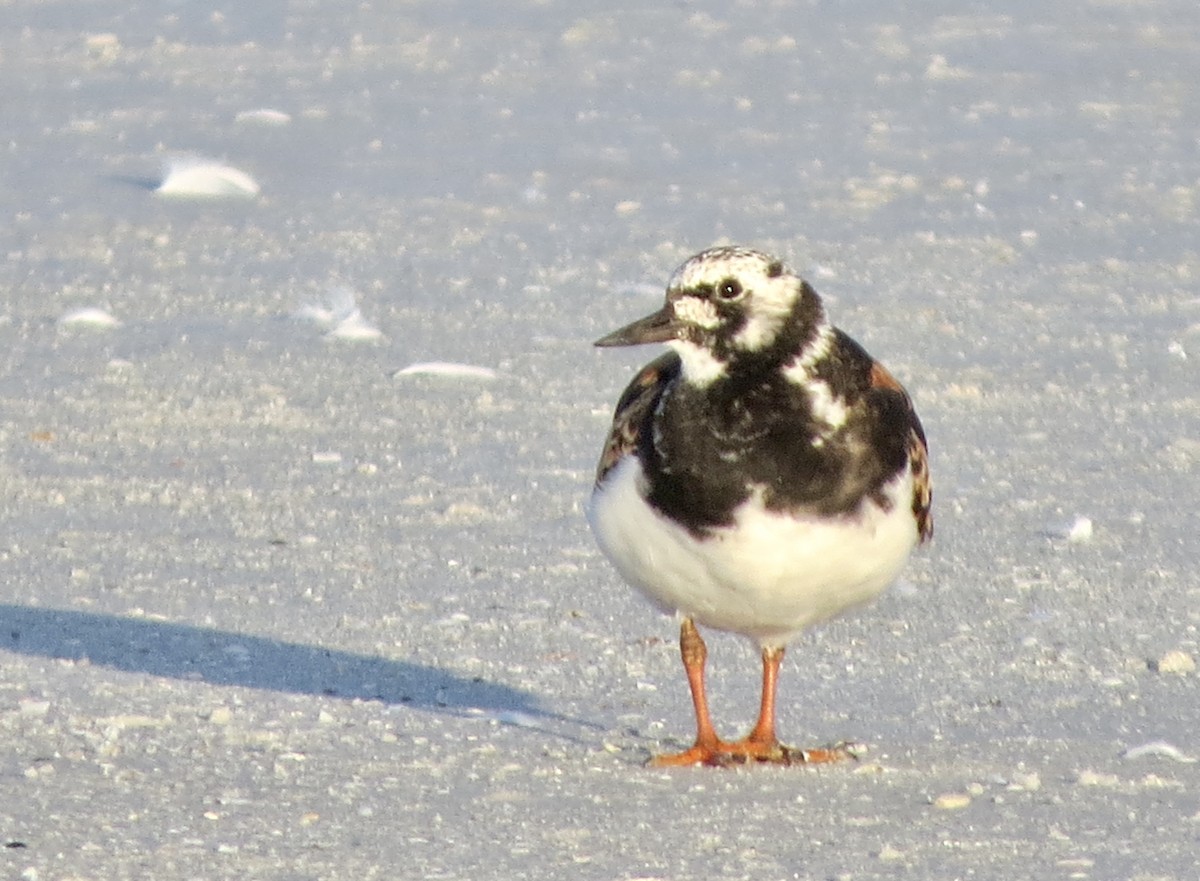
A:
(698, 754)
(723, 754)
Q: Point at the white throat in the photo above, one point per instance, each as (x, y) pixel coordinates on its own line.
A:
(700, 367)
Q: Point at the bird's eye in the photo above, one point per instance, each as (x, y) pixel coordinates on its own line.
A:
(729, 289)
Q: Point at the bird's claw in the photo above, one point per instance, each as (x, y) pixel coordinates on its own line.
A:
(747, 752)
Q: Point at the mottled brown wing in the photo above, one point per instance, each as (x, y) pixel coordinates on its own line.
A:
(918, 455)
(634, 409)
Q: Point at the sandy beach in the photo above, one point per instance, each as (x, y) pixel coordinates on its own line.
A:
(295, 581)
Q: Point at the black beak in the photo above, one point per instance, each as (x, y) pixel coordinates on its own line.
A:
(656, 328)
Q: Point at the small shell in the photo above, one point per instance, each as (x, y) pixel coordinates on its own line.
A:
(191, 177)
(90, 316)
(448, 369)
(264, 116)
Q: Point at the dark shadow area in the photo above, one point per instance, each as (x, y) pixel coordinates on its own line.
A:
(219, 657)
(141, 183)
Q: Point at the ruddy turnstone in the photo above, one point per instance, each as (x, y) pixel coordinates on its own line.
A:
(764, 475)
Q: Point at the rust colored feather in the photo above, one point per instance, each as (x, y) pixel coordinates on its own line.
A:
(635, 404)
(918, 454)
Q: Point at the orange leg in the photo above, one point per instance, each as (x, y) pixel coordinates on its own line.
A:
(707, 746)
(761, 744)
(764, 728)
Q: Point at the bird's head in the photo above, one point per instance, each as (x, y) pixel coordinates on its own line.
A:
(729, 308)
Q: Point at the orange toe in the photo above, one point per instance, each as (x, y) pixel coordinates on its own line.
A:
(745, 752)
(695, 755)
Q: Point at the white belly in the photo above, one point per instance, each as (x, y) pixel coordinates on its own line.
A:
(768, 576)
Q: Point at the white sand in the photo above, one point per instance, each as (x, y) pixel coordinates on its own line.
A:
(268, 612)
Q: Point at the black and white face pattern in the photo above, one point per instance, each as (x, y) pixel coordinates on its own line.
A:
(732, 306)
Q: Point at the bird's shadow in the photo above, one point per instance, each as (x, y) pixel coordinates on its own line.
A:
(221, 657)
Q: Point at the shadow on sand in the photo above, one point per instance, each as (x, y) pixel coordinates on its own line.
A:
(219, 657)
(141, 183)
